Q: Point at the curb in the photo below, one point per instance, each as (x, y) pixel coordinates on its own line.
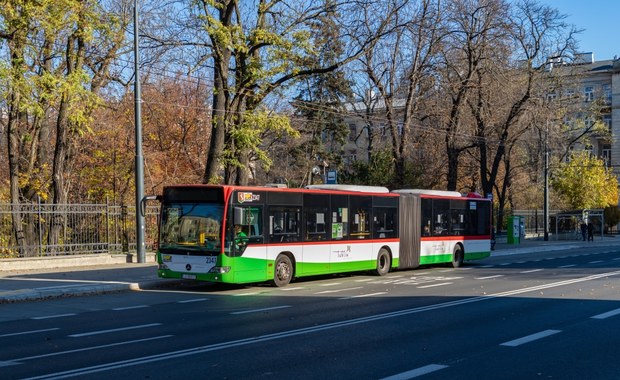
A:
(21, 295)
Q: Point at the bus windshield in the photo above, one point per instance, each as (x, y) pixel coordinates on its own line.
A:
(194, 226)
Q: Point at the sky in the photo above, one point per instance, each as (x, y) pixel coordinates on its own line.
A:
(600, 20)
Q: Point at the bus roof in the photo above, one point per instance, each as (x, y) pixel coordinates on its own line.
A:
(356, 188)
(441, 193)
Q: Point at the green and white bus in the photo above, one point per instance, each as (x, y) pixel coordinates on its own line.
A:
(286, 233)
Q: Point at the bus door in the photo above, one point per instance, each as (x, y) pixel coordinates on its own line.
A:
(411, 227)
(248, 251)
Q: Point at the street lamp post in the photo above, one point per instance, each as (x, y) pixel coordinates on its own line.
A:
(546, 191)
(140, 248)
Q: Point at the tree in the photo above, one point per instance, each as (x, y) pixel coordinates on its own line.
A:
(59, 53)
(319, 105)
(400, 68)
(585, 182)
(252, 50)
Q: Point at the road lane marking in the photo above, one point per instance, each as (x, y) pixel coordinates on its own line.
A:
(607, 314)
(364, 280)
(363, 295)
(486, 266)
(287, 289)
(29, 332)
(130, 307)
(531, 271)
(246, 294)
(312, 329)
(338, 290)
(530, 338)
(433, 285)
(330, 284)
(53, 316)
(416, 372)
(568, 266)
(260, 310)
(489, 277)
(19, 360)
(99, 332)
(193, 300)
(595, 262)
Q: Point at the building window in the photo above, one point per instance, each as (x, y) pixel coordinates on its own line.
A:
(352, 132)
(607, 93)
(607, 121)
(588, 93)
(606, 154)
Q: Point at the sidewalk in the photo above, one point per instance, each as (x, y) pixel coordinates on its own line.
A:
(29, 285)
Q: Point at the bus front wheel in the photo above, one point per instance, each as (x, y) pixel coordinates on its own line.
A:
(458, 256)
(283, 271)
(384, 262)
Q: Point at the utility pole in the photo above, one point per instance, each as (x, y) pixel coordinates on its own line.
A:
(140, 248)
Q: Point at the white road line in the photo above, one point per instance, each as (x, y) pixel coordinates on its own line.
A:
(607, 314)
(530, 338)
(363, 295)
(130, 307)
(338, 290)
(504, 264)
(489, 277)
(287, 289)
(568, 266)
(595, 262)
(433, 285)
(54, 316)
(312, 329)
(416, 372)
(364, 280)
(260, 310)
(193, 300)
(331, 284)
(99, 332)
(246, 294)
(16, 361)
(29, 332)
(617, 258)
(486, 266)
(531, 271)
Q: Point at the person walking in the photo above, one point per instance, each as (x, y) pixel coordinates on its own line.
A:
(590, 231)
(584, 230)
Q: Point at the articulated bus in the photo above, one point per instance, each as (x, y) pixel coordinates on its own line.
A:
(235, 234)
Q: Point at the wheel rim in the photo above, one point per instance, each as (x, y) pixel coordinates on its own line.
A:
(283, 271)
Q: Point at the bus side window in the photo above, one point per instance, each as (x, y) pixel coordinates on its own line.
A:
(284, 224)
(316, 228)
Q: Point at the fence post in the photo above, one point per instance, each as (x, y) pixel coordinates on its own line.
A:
(107, 224)
(39, 225)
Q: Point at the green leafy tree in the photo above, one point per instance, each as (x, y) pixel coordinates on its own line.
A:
(585, 182)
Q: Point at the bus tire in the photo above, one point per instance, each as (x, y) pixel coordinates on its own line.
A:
(282, 271)
(458, 256)
(384, 262)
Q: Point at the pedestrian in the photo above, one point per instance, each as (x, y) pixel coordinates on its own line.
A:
(590, 231)
(584, 229)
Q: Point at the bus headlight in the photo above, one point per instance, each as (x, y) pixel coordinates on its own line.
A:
(219, 270)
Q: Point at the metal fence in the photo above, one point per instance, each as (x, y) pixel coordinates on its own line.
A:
(78, 229)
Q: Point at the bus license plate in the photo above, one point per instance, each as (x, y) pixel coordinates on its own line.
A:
(189, 276)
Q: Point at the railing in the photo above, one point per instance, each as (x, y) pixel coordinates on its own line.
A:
(69, 229)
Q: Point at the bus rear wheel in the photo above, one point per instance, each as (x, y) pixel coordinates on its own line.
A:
(384, 262)
(283, 271)
(458, 256)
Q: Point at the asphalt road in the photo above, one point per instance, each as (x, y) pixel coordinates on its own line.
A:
(531, 316)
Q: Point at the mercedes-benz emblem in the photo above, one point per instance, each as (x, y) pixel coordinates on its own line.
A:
(188, 267)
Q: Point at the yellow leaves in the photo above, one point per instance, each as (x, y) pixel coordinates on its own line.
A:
(585, 183)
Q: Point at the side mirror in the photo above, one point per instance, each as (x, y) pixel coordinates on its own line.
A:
(144, 200)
